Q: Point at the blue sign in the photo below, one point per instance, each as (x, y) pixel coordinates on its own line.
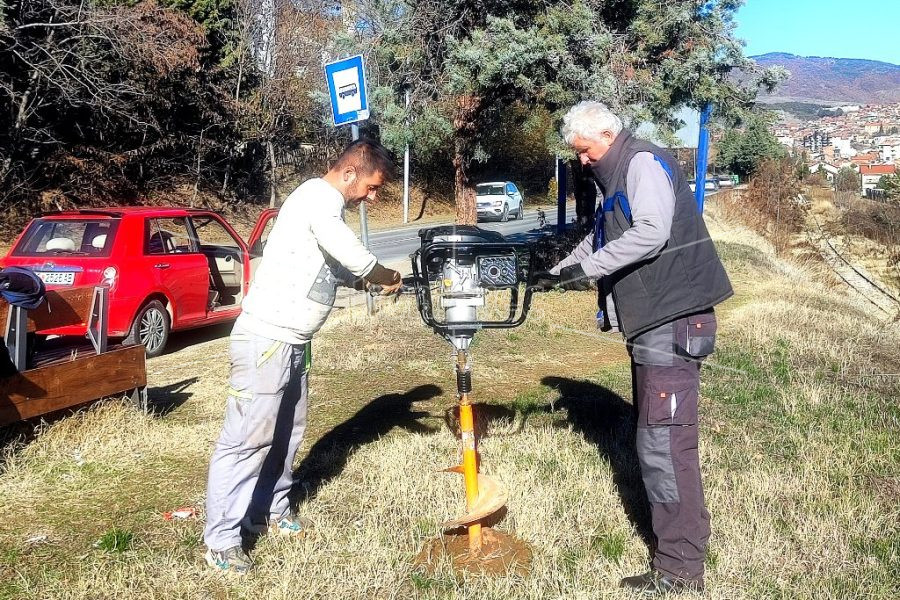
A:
(347, 87)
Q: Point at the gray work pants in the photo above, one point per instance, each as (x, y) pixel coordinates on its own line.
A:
(250, 473)
(666, 367)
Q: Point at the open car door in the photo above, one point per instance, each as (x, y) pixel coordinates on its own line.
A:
(257, 240)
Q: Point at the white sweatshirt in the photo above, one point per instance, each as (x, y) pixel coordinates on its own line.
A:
(294, 287)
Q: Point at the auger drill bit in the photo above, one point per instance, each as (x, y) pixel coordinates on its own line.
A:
(484, 496)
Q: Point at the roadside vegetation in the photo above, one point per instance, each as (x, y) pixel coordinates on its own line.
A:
(222, 103)
(798, 444)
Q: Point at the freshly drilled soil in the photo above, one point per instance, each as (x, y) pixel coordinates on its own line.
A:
(501, 553)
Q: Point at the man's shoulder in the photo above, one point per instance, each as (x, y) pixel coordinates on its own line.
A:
(644, 163)
(313, 193)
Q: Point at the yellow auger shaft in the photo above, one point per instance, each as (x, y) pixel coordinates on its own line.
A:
(470, 456)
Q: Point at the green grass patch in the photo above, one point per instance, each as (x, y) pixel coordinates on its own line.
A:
(610, 545)
(116, 541)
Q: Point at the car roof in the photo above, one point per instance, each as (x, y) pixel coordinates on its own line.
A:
(120, 211)
(493, 183)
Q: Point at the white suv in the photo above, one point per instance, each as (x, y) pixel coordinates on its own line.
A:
(499, 200)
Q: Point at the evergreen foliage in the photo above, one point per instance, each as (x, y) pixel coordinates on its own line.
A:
(743, 151)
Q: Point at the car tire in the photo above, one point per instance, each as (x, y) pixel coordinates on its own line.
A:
(150, 329)
(504, 216)
(521, 214)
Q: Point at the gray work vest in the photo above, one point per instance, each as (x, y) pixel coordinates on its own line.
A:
(686, 277)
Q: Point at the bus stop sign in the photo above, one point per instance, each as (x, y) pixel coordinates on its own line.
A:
(347, 87)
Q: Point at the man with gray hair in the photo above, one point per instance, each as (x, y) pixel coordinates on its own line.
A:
(659, 278)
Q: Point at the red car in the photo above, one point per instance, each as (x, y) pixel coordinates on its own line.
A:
(167, 268)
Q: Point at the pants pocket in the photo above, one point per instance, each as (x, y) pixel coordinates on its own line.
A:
(672, 400)
(701, 334)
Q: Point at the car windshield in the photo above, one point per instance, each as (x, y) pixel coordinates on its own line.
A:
(57, 237)
(490, 189)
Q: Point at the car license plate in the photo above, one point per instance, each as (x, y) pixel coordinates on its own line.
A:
(57, 277)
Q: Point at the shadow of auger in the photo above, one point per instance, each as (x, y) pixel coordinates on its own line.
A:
(329, 455)
(609, 422)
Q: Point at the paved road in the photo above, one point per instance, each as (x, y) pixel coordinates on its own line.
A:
(395, 245)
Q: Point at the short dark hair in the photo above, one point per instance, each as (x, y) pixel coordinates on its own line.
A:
(367, 156)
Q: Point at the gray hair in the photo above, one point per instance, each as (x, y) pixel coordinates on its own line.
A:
(589, 119)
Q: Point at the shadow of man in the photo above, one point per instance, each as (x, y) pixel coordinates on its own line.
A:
(608, 421)
(329, 455)
(164, 399)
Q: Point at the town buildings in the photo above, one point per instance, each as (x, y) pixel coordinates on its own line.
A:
(864, 138)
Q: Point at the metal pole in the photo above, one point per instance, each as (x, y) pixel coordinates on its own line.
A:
(702, 157)
(363, 226)
(406, 172)
(560, 195)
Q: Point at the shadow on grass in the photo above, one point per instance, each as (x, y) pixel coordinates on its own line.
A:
(608, 421)
(329, 455)
(164, 399)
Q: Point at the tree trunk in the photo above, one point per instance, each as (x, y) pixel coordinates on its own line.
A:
(464, 125)
(272, 174)
(464, 190)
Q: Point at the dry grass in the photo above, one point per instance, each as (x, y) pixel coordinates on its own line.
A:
(798, 447)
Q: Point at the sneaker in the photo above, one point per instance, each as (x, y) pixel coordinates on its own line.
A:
(292, 525)
(288, 525)
(233, 561)
(654, 583)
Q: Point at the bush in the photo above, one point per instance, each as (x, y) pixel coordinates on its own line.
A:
(771, 205)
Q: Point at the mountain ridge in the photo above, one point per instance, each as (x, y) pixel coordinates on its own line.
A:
(831, 80)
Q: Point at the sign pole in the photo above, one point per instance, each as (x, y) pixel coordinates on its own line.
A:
(363, 226)
(346, 80)
(702, 157)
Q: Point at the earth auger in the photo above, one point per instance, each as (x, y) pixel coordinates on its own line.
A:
(460, 266)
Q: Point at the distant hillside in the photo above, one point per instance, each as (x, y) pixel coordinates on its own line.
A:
(833, 80)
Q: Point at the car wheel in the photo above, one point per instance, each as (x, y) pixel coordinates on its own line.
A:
(505, 216)
(150, 328)
(521, 213)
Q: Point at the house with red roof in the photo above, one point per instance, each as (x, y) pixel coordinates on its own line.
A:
(872, 174)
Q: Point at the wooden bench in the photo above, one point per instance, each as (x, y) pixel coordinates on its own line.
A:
(72, 376)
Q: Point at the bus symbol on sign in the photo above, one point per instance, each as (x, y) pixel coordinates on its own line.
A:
(348, 90)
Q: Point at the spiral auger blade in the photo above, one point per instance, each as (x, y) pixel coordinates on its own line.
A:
(491, 497)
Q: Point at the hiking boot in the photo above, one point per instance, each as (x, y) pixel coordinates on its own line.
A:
(233, 561)
(654, 583)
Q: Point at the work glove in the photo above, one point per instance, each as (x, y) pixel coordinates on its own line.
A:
(383, 281)
(544, 281)
(573, 277)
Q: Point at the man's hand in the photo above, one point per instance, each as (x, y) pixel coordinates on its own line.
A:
(545, 281)
(573, 277)
(393, 288)
(383, 281)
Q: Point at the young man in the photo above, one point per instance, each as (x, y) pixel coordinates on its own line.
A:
(659, 279)
(293, 291)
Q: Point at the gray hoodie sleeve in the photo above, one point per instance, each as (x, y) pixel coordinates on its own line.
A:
(582, 251)
(652, 201)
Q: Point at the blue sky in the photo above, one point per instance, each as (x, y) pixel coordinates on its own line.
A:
(856, 29)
